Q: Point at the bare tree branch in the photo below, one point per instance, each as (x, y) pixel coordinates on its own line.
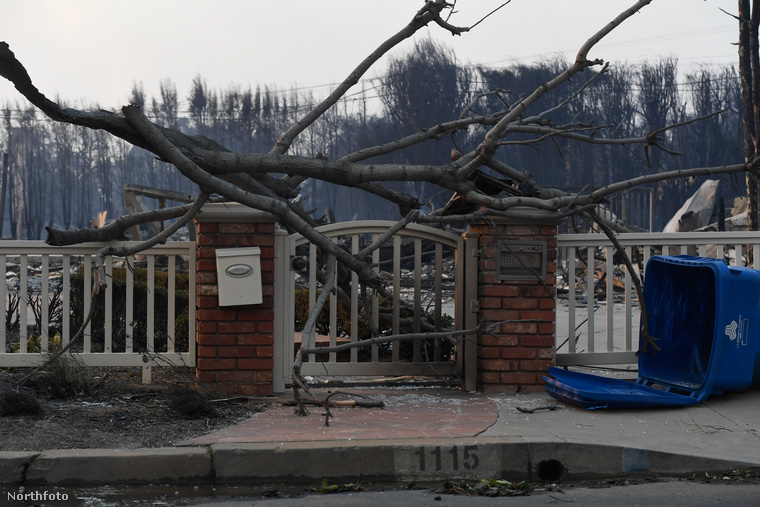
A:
(158, 239)
(648, 339)
(275, 206)
(489, 14)
(430, 12)
(442, 335)
(308, 332)
(114, 230)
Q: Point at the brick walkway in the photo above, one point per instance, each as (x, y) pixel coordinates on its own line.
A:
(407, 414)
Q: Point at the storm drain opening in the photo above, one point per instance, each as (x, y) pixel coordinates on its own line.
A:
(550, 470)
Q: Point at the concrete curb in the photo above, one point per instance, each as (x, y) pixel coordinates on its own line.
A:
(120, 466)
(434, 460)
(514, 459)
(13, 466)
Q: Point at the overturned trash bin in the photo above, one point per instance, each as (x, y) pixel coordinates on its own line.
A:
(700, 312)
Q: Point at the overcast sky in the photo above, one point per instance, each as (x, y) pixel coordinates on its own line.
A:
(93, 50)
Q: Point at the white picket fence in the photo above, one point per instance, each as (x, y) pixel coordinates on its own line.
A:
(594, 331)
(603, 333)
(44, 270)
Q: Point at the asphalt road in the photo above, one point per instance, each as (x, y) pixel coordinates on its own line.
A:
(674, 493)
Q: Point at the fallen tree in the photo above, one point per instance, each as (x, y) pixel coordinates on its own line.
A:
(252, 178)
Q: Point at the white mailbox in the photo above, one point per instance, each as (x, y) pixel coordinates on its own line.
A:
(238, 274)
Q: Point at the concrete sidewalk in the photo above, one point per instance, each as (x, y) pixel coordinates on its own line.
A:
(428, 434)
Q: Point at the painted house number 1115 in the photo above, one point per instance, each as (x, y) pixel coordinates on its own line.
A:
(469, 460)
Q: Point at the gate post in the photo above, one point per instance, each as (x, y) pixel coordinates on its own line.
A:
(517, 293)
(235, 343)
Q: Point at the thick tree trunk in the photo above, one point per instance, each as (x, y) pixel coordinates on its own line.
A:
(3, 191)
(748, 61)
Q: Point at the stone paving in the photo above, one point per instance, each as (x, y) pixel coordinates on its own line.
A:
(406, 415)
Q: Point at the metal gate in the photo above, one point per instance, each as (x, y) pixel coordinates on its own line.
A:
(425, 273)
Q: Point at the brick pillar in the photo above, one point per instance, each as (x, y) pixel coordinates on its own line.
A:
(516, 358)
(235, 343)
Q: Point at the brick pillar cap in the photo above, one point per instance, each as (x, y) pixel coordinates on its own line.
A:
(232, 212)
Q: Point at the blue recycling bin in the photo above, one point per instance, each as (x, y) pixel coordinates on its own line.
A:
(705, 318)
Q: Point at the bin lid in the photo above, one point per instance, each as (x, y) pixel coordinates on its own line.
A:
(595, 392)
